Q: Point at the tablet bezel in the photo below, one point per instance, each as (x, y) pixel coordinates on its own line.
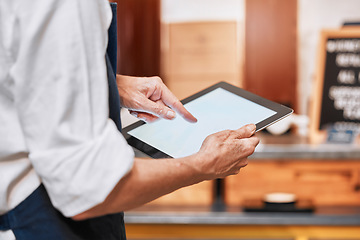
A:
(281, 112)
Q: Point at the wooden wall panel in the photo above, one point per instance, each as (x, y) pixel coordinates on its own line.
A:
(199, 54)
(270, 49)
(138, 37)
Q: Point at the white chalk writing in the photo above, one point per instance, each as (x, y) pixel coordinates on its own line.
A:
(347, 45)
(346, 77)
(348, 60)
(346, 99)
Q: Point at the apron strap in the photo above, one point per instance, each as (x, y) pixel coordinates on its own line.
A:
(4, 223)
(111, 62)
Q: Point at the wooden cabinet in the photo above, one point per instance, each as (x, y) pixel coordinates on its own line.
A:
(240, 232)
(332, 184)
(323, 182)
(198, 54)
(196, 195)
(316, 183)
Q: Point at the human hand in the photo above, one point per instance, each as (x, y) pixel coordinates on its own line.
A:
(225, 153)
(148, 98)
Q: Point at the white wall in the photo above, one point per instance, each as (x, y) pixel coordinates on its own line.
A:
(202, 10)
(313, 16)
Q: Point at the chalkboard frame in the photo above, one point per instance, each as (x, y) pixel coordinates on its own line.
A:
(317, 135)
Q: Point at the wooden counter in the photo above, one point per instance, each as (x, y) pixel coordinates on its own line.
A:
(325, 223)
(327, 176)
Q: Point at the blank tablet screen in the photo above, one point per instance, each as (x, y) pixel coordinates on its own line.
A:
(216, 110)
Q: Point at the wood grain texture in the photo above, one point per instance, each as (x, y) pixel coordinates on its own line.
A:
(271, 50)
(324, 183)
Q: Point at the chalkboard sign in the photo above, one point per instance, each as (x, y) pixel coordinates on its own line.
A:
(336, 100)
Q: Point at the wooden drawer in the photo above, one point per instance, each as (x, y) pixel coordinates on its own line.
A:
(322, 182)
(195, 195)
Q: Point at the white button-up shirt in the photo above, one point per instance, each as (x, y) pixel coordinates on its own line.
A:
(54, 125)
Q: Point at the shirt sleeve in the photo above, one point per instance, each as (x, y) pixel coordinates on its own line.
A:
(62, 100)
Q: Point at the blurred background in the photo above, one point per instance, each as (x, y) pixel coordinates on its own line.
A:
(268, 47)
(271, 48)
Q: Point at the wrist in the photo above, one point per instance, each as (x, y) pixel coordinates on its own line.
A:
(199, 162)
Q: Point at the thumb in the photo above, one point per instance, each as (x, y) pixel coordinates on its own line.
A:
(245, 131)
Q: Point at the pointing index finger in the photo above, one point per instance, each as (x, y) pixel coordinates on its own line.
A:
(170, 100)
(179, 107)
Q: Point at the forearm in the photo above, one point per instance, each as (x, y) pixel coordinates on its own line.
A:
(148, 180)
(221, 154)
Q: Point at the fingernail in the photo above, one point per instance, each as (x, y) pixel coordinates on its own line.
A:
(135, 114)
(170, 114)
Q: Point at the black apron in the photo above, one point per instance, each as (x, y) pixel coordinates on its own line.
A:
(36, 219)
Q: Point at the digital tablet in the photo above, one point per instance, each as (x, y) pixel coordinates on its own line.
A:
(219, 107)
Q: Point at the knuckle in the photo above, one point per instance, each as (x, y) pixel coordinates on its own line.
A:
(217, 135)
(244, 162)
(175, 103)
(253, 142)
(227, 133)
(155, 81)
(250, 149)
(231, 132)
(159, 110)
(150, 83)
(158, 79)
(247, 148)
